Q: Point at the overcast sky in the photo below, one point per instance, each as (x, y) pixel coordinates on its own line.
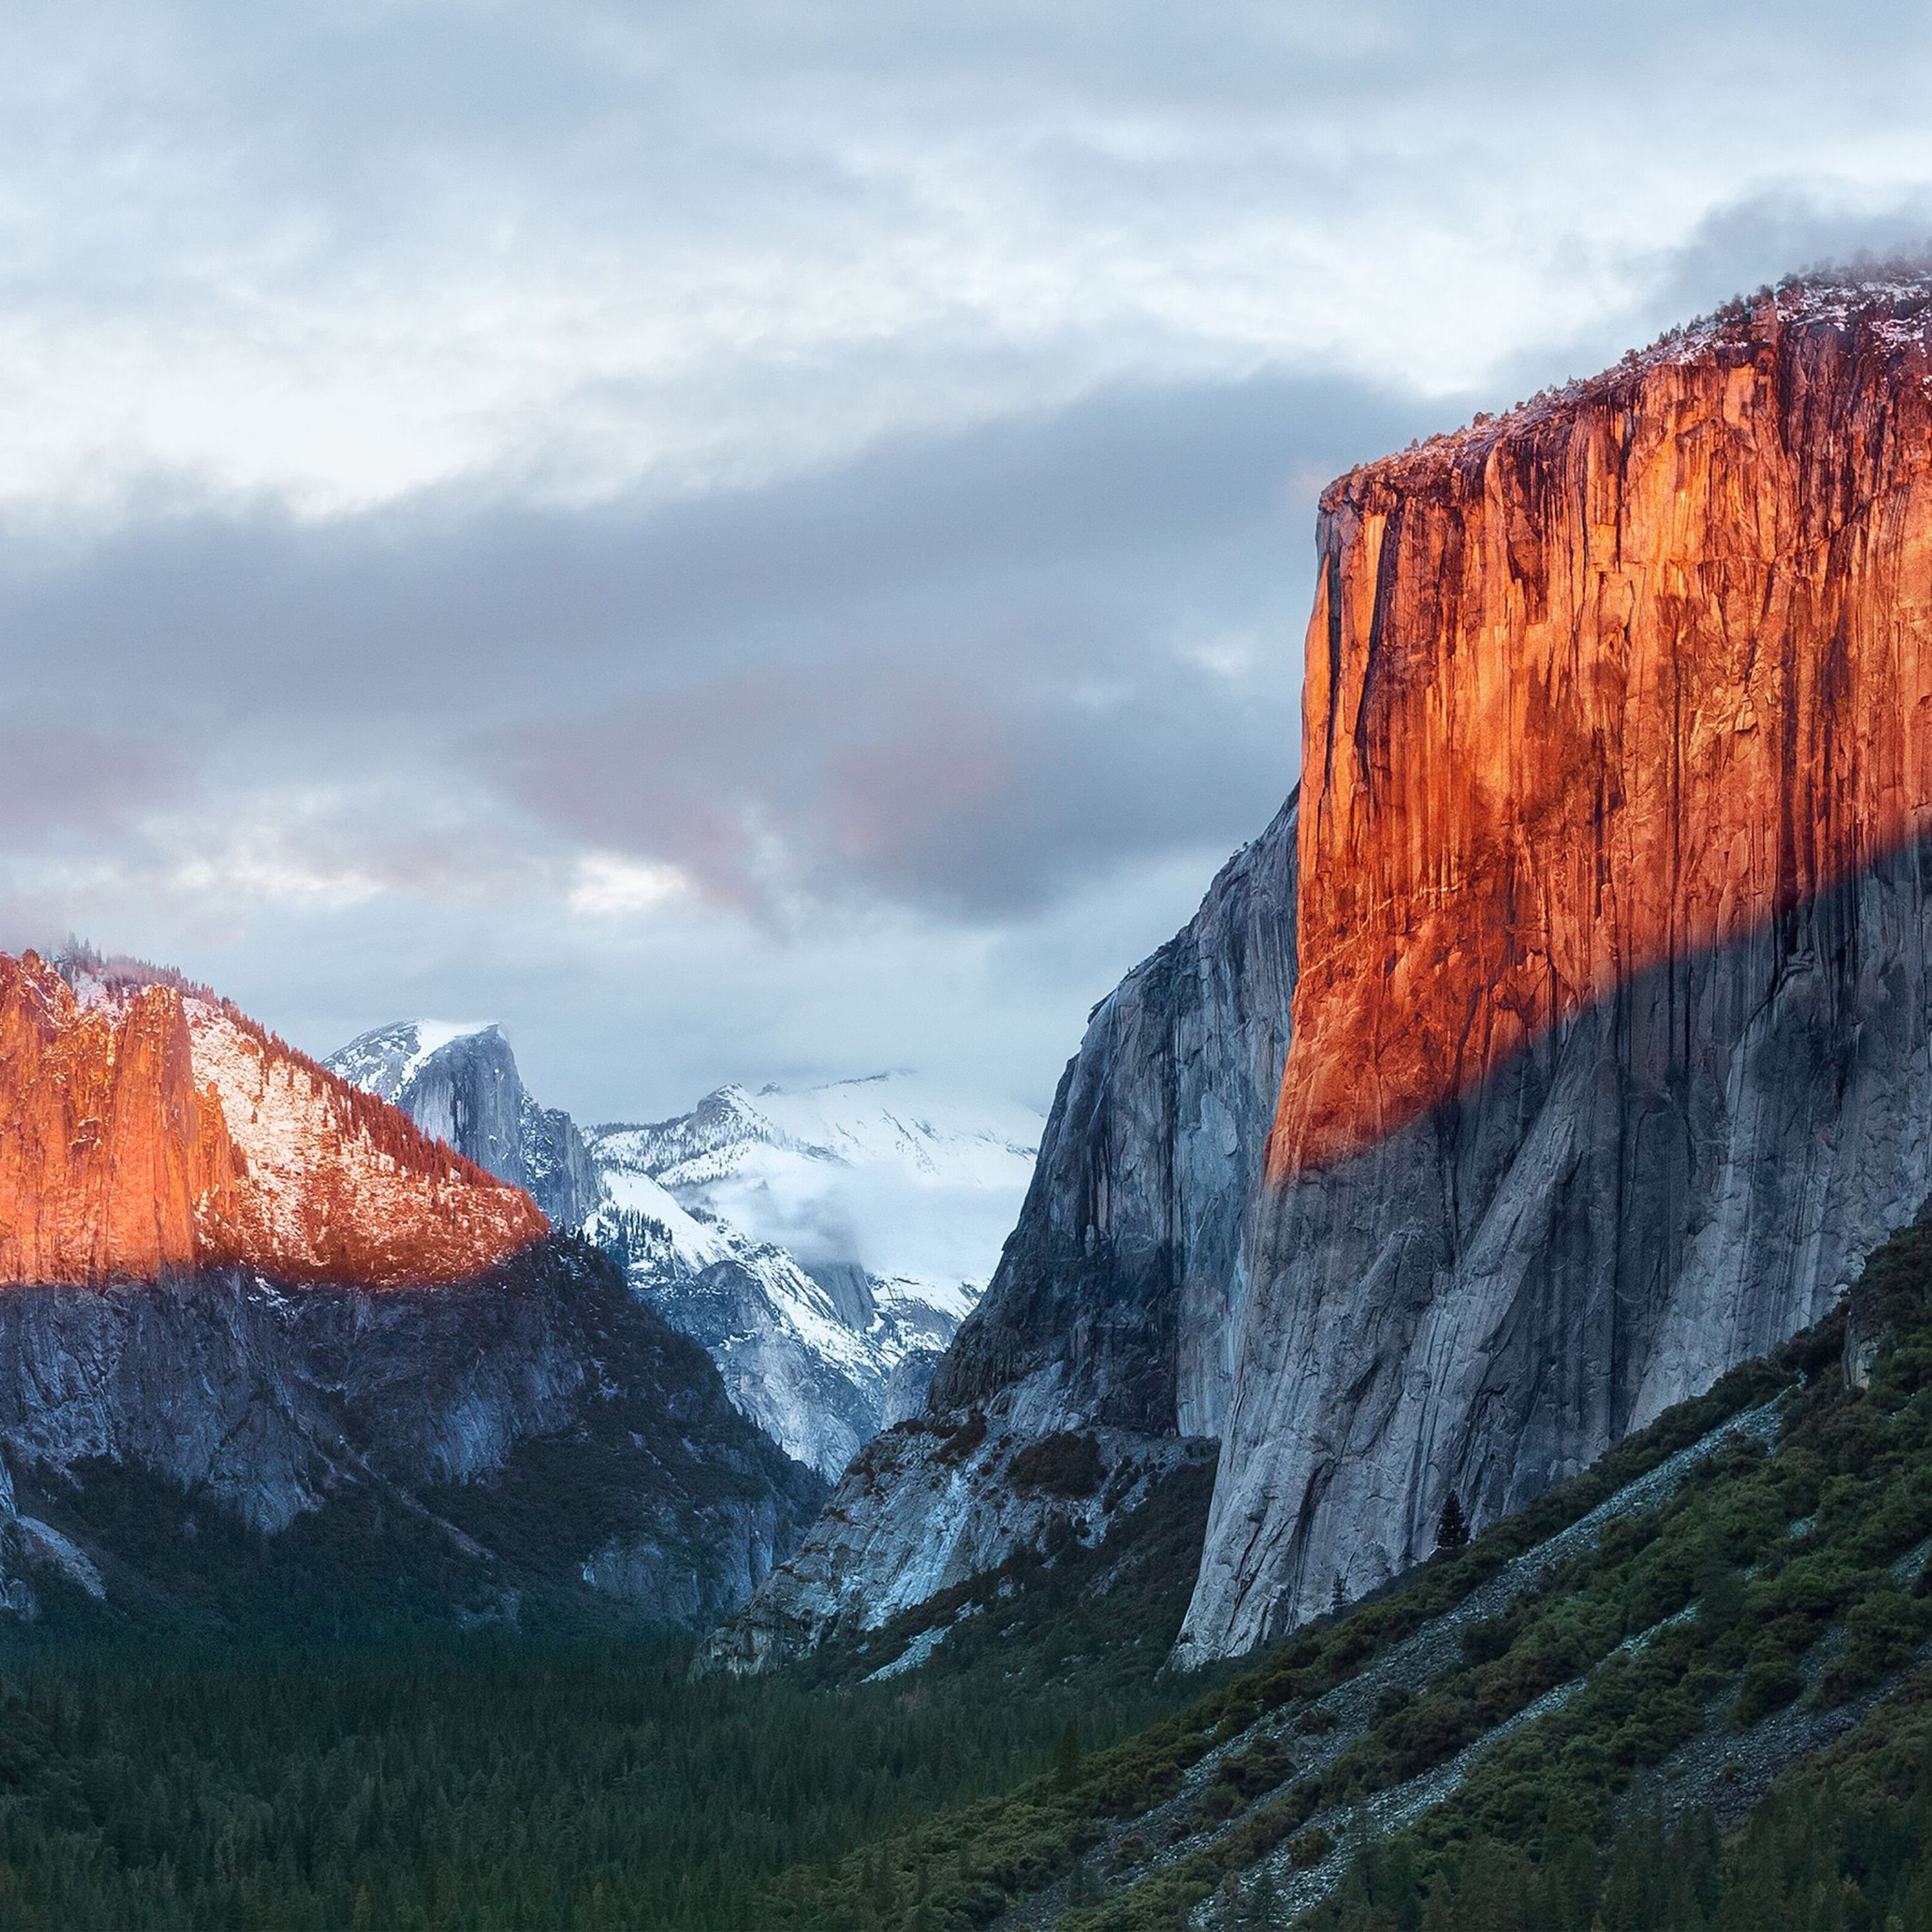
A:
(772, 541)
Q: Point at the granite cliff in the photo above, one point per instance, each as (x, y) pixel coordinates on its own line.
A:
(534, 1434)
(1108, 1320)
(236, 1289)
(1600, 928)
(146, 1125)
(461, 1086)
(1611, 1031)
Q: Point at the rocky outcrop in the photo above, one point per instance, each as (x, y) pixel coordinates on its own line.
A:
(1115, 1299)
(819, 1347)
(461, 1086)
(269, 1405)
(1610, 1053)
(147, 1126)
(929, 1506)
(1111, 1310)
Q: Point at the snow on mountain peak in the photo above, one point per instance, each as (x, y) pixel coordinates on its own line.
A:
(884, 1172)
(386, 1059)
(823, 1245)
(432, 1036)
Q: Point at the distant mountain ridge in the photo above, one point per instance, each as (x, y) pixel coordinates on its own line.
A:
(1107, 1323)
(244, 1295)
(823, 1246)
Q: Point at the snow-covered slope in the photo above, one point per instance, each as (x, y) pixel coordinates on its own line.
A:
(823, 1245)
(883, 1173)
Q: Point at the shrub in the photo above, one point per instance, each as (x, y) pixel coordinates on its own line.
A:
(1309, 1848)
(1063, 1464)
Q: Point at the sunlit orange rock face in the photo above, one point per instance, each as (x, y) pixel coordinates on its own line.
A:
(1622, 676)
(152, 1127)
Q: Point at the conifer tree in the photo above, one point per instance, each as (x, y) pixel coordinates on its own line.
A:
(1454, 1532)
(1067, 1757)
(1264, 1902)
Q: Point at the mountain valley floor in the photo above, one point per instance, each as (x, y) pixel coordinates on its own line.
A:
(1689, 1689)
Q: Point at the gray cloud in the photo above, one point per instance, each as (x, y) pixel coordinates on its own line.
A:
(1754, 242)
(971, 675)
(340, 255)
(60, 782)
(965, 672)
(864, 458)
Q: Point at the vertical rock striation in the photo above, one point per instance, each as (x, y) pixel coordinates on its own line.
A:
(540, 1421)
(461, 1086)
(1610, 1052)
(1115, 1299)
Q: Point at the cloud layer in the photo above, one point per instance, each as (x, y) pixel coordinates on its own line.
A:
(752, 541)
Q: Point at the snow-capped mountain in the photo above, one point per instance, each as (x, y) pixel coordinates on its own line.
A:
(823, 1246)
(460, 1083)
(234, 1277)
(883, 1173)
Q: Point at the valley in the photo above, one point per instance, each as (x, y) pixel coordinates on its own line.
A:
(824, 1246)
(1434, 1420)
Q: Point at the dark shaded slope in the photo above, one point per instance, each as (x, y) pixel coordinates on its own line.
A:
(1739, 1586)
(212, 1450)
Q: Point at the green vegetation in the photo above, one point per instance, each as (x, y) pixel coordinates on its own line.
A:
(1843, 1843)
(1762, 1622)
(1692, 1650)
(491, 1780)
(1749, 1614)
(1807, 1573)
(343, 1754)
(1104, 1616)
(963, 1869)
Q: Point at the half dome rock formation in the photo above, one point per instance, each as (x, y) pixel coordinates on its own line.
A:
(1610, 1055)
(230, 1296)
(460, 1084)
(147, 1126)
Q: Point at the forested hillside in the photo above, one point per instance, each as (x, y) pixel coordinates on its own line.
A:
(1708, 1644)
(1683, 1690)
(494, 1781)
(292, 1757)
